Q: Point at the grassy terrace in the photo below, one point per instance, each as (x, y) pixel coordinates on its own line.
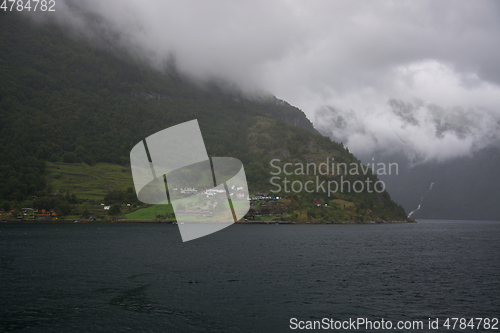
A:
(88, 182)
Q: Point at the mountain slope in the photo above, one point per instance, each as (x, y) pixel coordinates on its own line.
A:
(63, 99)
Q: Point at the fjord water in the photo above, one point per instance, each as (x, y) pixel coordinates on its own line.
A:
(246, 278)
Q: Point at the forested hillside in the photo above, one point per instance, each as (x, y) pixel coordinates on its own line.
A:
(63, 99)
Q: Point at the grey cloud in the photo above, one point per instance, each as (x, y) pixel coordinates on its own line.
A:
(421, 132)
(352, 56)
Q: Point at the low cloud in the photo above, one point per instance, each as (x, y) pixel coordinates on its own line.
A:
(421, 132)
(340, 62)
(440, 115)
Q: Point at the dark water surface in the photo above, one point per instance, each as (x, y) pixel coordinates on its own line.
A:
(246, 278)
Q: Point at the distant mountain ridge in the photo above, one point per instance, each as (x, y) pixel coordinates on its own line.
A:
(466, 188)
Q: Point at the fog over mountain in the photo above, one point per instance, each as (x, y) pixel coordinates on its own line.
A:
(419, 77)
(418, 131)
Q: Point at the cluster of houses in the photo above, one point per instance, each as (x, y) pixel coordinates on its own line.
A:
(268, 206)
(234, 192)
(31, 213)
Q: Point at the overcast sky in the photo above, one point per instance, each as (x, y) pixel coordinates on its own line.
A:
(338, 61)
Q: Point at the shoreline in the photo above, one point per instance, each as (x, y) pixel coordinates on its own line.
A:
(175, 222)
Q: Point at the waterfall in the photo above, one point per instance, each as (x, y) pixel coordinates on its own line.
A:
(419, 205)
(421, 200)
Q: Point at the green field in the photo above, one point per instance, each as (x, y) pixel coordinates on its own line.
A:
(88, 182)
(150, 213)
